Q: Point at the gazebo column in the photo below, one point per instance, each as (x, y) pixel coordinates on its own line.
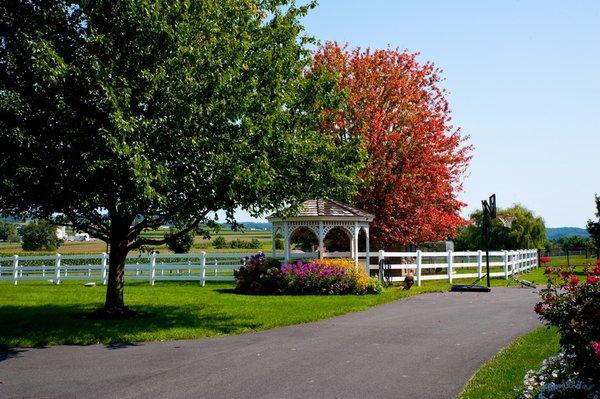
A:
(367, 250)
(273, 235)
(355, 241)
(321, 240)
(286, 242)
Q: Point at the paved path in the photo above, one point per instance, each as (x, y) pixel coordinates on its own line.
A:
(425, 346)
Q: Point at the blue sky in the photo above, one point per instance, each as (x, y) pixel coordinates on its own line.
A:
(524, 83)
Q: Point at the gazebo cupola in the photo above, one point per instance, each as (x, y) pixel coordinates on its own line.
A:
(320, 216)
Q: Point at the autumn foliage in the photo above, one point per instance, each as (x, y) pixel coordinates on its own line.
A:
(416, 157)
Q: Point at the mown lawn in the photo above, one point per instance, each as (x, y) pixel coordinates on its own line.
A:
(38, 313)
(499, 377)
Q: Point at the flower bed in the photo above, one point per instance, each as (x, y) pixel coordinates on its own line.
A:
(260, 275)
(573, 307)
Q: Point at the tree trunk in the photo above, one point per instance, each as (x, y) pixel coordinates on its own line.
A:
(116, 262)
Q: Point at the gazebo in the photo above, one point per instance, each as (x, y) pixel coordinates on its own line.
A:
(320, 216)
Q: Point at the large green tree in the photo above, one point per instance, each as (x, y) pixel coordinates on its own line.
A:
(118, 116)
(527, 231)
(593, 227)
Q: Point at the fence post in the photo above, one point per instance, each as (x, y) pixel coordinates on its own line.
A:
(506, 265)
(189, 267)
(152, 267)
(203, 265)
(16, 267)
(419, 262)
(216, 266)
(104, 264)
(379, 259)
(479, 264)
(450, 265)
(57, 270)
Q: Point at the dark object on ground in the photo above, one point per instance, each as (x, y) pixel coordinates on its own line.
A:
(409, 281)
(525, 283)
(469, 288)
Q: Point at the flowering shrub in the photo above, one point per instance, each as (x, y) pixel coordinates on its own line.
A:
(258, 275)
(545, 259)
(573, 307)
(555, 380)
(335, 276)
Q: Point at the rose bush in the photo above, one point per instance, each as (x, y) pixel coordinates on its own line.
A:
(573, 307)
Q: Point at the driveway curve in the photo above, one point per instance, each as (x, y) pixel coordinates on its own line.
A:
(425, 346)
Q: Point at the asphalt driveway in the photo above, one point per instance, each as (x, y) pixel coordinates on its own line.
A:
(425, 346)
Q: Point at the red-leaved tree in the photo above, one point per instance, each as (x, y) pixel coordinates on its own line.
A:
(417, 159)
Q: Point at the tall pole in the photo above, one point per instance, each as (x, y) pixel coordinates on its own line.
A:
(486, 235)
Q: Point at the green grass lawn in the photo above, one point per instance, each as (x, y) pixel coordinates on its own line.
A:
(36, 313)
(499, 377)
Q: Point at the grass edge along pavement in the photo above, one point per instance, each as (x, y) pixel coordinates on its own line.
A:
(501, 375)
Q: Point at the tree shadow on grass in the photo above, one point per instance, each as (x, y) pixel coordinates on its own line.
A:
(59, 324)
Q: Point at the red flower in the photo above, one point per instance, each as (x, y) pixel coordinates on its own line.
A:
(592, 280)
(539, 308)
(597, 262)
(545, 259)
(596, 347)
(548, 270)
(574, 281)
(596, 270)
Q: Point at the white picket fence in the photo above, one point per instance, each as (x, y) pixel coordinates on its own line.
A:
(452, 265)
(204, 266)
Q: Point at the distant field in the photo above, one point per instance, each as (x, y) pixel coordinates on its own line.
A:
(200, 244)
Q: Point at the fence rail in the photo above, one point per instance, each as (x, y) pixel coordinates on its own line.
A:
(453, 265)
(199, 267)
(204, 266)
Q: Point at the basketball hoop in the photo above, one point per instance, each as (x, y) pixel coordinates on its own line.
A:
(507, 220)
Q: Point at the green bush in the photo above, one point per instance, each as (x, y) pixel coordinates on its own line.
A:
(220, 242)
(278, 243)
(181, 244)
(40, 235)
(8, 232)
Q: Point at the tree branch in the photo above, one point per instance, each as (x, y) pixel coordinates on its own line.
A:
(148, 241)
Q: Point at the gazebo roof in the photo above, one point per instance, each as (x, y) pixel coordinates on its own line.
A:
(328, 209)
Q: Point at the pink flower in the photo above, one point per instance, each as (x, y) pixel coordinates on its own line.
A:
(596, 348)
(545, 259)
(592, 280)
(596, 270)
